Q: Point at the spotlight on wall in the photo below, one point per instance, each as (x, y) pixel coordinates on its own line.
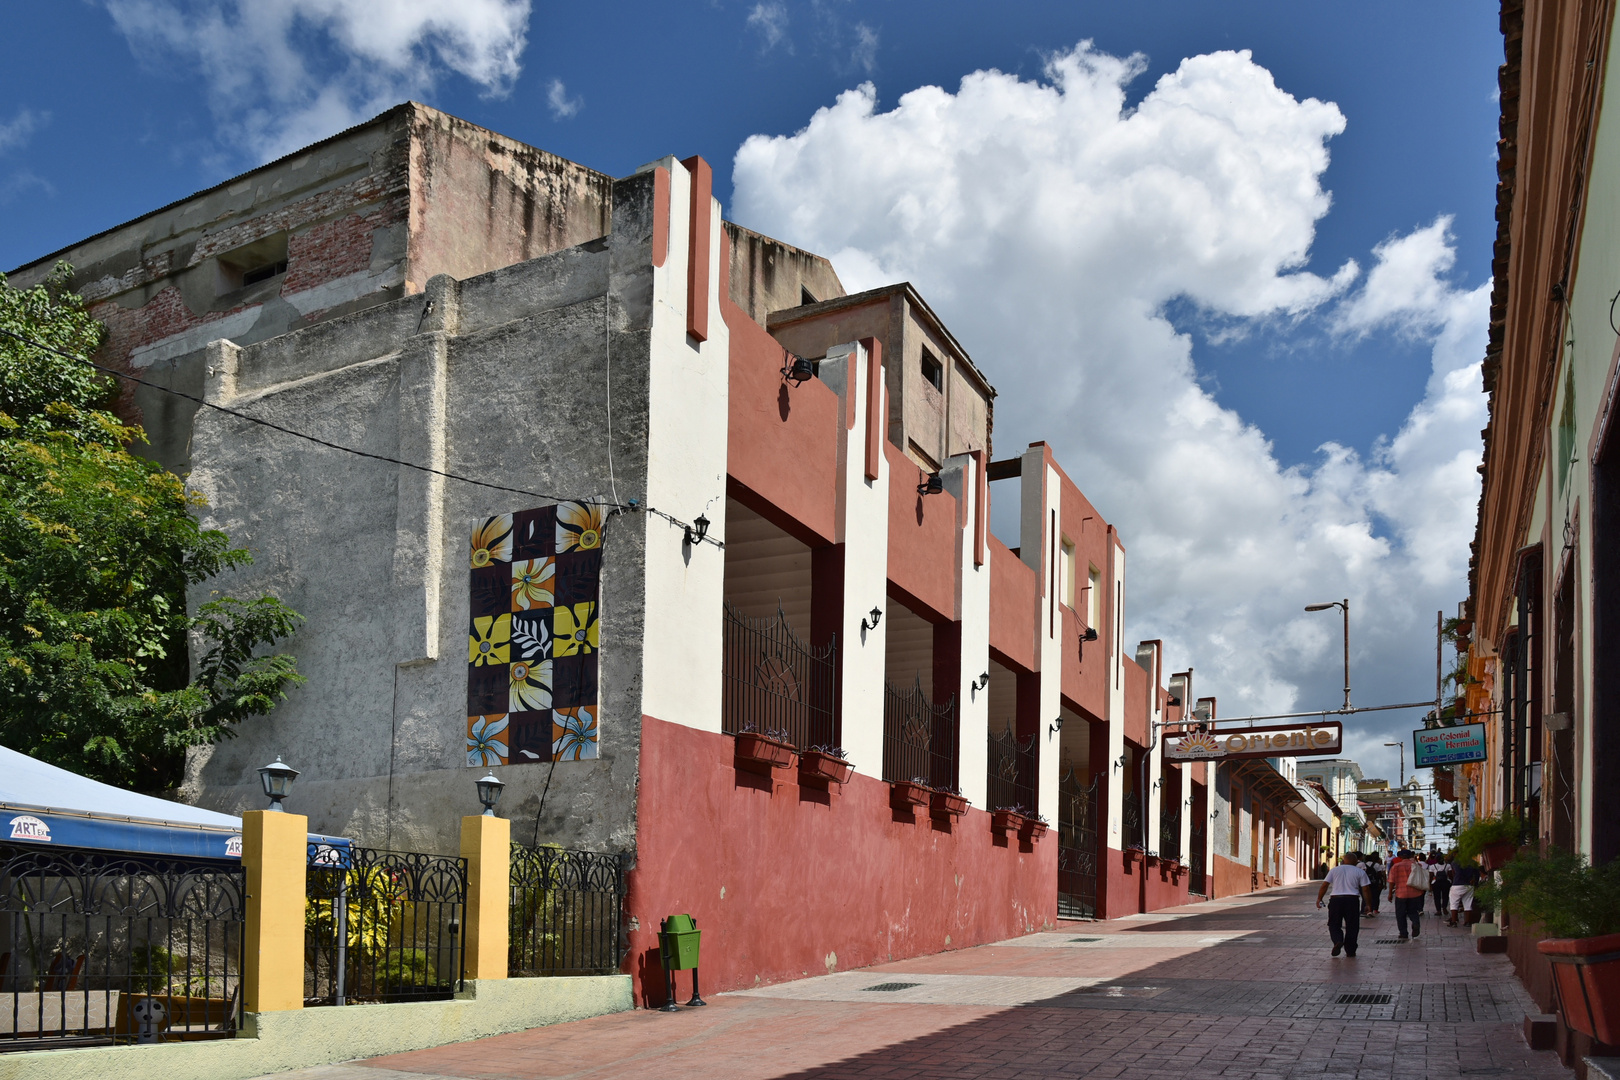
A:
(1091, 633)
(930, 484)
(873, 617)
(798, 370)
(696, 531)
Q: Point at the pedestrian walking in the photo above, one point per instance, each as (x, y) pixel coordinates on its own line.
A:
(1351, 888)
(1409, 889)
(1463, 880)
(1440, 883)
(1374, 870)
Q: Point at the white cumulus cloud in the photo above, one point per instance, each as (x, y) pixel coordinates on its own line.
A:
(1052, 225)
(283, 73)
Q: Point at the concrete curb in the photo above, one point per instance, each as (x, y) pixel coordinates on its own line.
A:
(298, 1038)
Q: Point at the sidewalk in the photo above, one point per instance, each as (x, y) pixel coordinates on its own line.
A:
(1240, 989)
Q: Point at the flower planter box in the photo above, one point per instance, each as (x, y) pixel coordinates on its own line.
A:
(1496, 855)
(1006, 821)
(946, 804)
(815, 765)
(1133, 855)
(1587, 974)
(906, 795)
(759, 750)
(1033, 830)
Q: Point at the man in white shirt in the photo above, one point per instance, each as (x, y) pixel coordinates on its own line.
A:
(1351, 891)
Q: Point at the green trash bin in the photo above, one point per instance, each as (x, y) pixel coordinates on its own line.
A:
(678, 943)
(678, 951)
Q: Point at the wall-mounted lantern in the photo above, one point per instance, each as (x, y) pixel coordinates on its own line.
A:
(981, 682)
(875, 616)
(929, 484)
(696, 531)
(1054, 727)
(277, 778)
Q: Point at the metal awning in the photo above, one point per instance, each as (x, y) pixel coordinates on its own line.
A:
(1263, 779)
(50, 806)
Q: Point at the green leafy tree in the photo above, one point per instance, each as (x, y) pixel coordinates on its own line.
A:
(97, 549)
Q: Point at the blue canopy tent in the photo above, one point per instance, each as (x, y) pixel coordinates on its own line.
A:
(42, 804)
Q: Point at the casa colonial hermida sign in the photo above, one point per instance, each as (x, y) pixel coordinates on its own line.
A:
(1448, 745)
(1279, 740)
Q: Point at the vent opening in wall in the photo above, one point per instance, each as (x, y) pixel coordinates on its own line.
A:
(805, 296)
(252, 263)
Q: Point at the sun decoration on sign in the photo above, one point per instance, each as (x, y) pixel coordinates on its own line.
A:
(1199, 742)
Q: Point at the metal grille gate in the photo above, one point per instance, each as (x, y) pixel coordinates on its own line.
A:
(919, 738)
(1077, 846)
(775, 684)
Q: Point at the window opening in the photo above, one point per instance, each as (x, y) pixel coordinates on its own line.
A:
(933, 370)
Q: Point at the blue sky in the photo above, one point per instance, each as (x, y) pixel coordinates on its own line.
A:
(115, 108)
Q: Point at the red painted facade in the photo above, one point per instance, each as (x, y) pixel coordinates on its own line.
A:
(787, 881)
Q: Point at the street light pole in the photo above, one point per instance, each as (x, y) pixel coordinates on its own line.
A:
(1402, 748)
(1343, 605)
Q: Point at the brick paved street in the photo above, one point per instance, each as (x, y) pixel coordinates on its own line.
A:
(1242, 989)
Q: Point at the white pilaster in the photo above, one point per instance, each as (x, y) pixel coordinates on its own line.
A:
(688, 407)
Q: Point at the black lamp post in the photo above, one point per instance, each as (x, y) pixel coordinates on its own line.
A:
(277, 778)
(489, 793)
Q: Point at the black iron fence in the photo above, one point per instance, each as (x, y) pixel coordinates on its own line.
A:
(565, 914)
(102, 948)
(382, 926)
(919, 737)
(775, 683)
(1195, 862)
(1010, 768)
(1131, 820)
(1078, 815)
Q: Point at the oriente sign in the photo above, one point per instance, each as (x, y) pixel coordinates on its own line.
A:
(1280, 740)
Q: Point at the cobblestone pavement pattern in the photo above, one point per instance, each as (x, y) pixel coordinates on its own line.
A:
(1242, 989)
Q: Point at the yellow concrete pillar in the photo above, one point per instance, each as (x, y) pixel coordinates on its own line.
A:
(274, 853)
(486, 844)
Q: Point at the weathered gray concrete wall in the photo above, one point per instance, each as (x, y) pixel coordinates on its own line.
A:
(358, 220)
(767, 275)
(503, 380)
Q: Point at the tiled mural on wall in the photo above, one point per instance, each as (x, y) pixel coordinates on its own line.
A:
(532, 642)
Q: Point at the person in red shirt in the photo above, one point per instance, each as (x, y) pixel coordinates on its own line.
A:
(1408, 897)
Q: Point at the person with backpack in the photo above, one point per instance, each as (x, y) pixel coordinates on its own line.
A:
(1375, 872)
(1439, 883)
(1409, 889)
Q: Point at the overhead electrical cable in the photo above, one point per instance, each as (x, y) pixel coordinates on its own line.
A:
(631, 506)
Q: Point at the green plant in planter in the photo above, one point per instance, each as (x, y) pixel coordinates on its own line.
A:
(1559, 891)
(1487, 831)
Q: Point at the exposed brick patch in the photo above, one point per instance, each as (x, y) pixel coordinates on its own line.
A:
(333, 249)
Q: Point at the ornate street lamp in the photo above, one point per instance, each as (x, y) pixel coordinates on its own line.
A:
(277, 778)
(489, 793)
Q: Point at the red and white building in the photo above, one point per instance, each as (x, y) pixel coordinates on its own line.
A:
(532, 325)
